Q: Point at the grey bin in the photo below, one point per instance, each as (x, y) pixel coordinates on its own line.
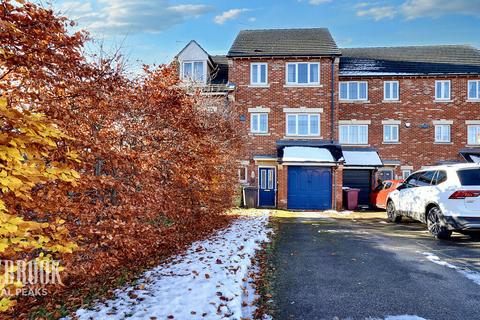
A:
(250, 195)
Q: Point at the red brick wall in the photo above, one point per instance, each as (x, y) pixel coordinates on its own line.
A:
(276, 97)
(416, 147)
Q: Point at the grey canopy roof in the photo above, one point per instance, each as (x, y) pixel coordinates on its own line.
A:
(444, 59)
(284, 42)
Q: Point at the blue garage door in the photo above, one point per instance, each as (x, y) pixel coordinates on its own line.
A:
(309, 188)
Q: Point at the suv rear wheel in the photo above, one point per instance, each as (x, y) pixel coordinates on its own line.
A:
(434, 224)
(392, 212)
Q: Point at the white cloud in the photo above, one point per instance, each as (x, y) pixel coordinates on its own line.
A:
(317, 2)
(229, 15)
(377, 13)
(412, 9)
(131, 16)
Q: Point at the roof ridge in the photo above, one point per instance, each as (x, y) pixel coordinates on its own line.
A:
(283, 29)
(415, 46)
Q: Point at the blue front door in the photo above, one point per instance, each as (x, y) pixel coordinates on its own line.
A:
(267, 187)
(309, 188)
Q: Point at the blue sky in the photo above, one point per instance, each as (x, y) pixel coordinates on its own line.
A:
(153, 31)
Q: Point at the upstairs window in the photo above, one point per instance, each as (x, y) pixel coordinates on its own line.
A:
(193, 71)
(390, 90)
(390, 133)
(353, 134)
(442, 133)
(442, 90)
(259, 123)
(303, 124)
(303, 73)
(474, 89)
(258, 74)
(354, 90)
(473, 134)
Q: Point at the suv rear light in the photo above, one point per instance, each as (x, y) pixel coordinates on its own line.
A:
(462, 194)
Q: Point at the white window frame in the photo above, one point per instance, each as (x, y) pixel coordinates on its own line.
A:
(348, 83)
(441, 127)
(406, 173)
(258, 82)
(257, 115)
(390, 128)
(391, 91)
(296, 83)
(192, 62)
(245, 171)
(349, 126)
(309, 134)
(477, 84)
(441, 93)
(477, 139)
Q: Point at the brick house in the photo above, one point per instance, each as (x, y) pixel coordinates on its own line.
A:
(319, 118)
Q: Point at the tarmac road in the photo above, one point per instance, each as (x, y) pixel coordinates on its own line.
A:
(369, 269)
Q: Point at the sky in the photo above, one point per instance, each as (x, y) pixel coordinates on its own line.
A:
(154, 31)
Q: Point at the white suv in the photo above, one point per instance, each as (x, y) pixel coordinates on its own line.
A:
(446, 198)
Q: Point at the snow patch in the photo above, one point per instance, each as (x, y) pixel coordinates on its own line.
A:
(209, 281)
(342, 231)
(469, 274)
(404, 317)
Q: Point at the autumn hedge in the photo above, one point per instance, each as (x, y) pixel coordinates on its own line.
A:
(143, 170)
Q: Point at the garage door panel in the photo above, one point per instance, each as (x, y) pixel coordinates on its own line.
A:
(359, 179)
(309, 188)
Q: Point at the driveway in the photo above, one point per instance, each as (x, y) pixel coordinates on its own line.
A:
(368, 269)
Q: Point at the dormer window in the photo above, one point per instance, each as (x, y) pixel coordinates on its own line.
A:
(194, 71)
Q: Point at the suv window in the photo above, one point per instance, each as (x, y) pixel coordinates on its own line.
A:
(412, 181)
(426, 178)
(439, 178)
(469, 177)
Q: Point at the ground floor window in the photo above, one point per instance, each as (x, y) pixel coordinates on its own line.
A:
(385, 174)
(406, 173)
(243, 174)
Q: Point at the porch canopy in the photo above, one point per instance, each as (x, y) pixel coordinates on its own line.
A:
(361, 157)
(471, 155)
(308, 152)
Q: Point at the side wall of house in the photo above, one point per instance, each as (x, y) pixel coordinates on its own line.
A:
(417, 107)
(276, 96)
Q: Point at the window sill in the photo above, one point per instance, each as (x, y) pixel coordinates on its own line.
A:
(302, 137)
(303, 86)
(445, 143)
(472, 145)
(473, 100)
(258, 86)
(443, 101)
(391, 101)
(391, 142)
(354, 101)
(354, 145)
(259, 134)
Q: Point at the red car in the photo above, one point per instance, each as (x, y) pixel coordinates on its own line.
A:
(378, 197)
